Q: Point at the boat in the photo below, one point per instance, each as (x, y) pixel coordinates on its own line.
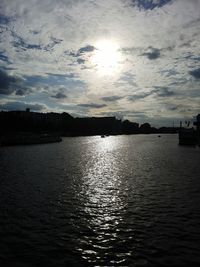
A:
(27, 138)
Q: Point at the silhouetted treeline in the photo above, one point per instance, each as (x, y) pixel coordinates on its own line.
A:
(66, 125)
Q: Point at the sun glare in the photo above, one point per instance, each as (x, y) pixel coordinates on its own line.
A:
(106, 57)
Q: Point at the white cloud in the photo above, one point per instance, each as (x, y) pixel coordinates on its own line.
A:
(41, 34)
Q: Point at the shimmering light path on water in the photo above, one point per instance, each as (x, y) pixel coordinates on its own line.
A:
(91, 201)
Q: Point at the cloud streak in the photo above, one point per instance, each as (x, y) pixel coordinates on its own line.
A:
(92, 105)
(20, 105)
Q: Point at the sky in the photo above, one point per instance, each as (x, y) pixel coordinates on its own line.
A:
(133, 59)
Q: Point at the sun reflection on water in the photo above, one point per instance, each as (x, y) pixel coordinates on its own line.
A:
(103, 203)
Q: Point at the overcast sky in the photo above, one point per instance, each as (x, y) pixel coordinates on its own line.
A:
(134, 59)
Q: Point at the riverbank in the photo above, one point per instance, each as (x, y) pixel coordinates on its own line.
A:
(27, 138)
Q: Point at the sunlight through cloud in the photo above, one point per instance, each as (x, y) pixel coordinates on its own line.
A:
(106, 57)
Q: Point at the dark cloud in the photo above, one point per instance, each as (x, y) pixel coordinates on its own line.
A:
(111, 98)
(58, 76)
(195, 73)
(150, 4)
(162, 91)
(7, 68)
(152, 53)
(56, 40)
(20, 92)
(3, 57)
(181, 108)
(55, 80)
(159, 91)
(126, 78)
(86, 49)
(172, 108)
(80, 61)
(81, 56)
(19, 42)
(189, 55)
(53, 42)
(81, 52)
(195, 58)
(59, 95)
(5, 82)
(4, 19)
(92, 105)
(136, 97)
(10, 85)
(18, 105)
(35, 32)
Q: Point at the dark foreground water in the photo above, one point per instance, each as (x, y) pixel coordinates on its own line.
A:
(91, 201)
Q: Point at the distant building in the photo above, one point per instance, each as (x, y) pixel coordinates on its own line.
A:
(197, 123)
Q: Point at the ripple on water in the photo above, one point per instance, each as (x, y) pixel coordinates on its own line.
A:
(90, 201)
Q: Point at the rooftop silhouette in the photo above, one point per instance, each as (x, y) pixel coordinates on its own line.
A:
(66, 125)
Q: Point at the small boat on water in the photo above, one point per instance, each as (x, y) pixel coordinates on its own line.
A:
(28, 139)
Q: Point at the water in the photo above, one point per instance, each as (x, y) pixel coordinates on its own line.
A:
(91, 201)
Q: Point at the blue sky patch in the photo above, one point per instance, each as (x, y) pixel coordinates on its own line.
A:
(151, 4)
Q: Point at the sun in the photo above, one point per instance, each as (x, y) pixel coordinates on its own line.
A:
(106, 57)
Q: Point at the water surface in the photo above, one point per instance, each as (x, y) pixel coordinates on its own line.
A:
(90, 201)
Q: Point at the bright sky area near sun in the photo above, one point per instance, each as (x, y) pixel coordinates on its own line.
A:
(133, 59)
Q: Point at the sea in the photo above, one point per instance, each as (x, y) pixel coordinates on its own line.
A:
(127, 200)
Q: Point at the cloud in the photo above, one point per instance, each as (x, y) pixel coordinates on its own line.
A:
(12, 85)
(4, 20)
(195, 73)
(112, 98)
(159, 91)
(162, 91)
(6, 82)
(61, 76)
(3, 57)
(67, 80)
(46, 46)
(152, 53)
(52, 43)
(18, 105)
(82, 54)
(59, 95)
(86, 49)
(92, 105)
(150, 4)
(136, 97)
(80, 61)
(19, 42)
